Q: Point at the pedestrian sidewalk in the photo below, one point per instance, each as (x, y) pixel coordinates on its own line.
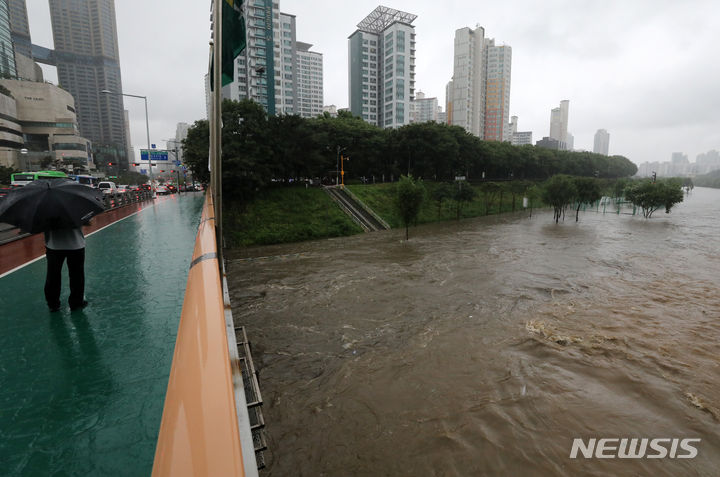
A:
(82, 393)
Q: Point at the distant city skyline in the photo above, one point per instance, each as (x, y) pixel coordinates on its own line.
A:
(613, 61)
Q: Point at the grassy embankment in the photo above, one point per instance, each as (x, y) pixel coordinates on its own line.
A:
(286, 214)
(294, 214)
(380, 198)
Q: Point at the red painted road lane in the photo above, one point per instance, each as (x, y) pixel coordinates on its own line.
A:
(20, 252)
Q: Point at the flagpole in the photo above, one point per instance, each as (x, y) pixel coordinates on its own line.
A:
(216, 127)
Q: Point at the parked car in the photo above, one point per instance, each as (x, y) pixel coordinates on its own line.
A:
(108, 187)
(161, 190)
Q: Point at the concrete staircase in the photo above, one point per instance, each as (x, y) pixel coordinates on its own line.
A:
(359, 212)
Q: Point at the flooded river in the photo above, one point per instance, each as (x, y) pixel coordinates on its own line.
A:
(484, 347)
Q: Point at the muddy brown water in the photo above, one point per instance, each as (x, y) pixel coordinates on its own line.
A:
(484, 347)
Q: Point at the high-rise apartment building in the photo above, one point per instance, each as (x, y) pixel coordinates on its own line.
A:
(382, 67)
(559, 124)
(88, 62)
(424, 109)
(448, 102)
(275, 69)
(602, 142)
(20, 27)
(309, 72)
(497, 91)
(256, 75)
(479, 94)
(518, 138)
(467, 95)
(7, 52)
(442, 116)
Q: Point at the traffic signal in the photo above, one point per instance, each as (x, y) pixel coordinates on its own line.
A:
(110, 163)
(135, 164)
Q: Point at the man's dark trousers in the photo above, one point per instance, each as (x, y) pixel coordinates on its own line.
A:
(53, 281)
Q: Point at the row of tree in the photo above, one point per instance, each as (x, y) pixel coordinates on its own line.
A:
(711, 179)
(259, 150)
(559, 192)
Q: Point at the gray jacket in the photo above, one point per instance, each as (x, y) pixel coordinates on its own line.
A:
(65, 239)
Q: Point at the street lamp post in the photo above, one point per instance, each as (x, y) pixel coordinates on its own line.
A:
(177, 159)
(337, 168)
(147, 130)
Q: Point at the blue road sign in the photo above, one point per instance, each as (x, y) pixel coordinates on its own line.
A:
(156, 155)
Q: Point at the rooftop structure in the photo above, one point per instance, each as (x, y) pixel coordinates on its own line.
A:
(382, 17)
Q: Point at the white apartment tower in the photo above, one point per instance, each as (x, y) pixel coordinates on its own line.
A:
(478, 96)
(602, 142)
(275, 69)
(467, 94)
(425, 109)
(381, 68)
(309, 72)
(518, 138)
(559, 124)
(448, 102)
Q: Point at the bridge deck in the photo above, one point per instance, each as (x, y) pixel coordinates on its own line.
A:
(82, 393)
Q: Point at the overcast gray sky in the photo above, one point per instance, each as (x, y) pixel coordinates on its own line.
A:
(645, 70)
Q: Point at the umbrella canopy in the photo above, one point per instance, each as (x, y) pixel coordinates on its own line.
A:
(50, 204)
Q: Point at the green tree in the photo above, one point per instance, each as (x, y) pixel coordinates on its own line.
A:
(463, 194)
(195, 150)
(711, 179)
(490, 192)
(441, 193)
(619, 187)
(559, 192)
(588, 191)
(518, 188)
(409, 199)
(533, 193)
(651, 196)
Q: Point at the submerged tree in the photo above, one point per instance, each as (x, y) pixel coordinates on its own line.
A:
(588, 191)
(490, 192)
(463, 194)
(441, 193)
(410, 196)
(559, 192)
(651, 196)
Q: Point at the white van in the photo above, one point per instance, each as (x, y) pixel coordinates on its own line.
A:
(108, 187)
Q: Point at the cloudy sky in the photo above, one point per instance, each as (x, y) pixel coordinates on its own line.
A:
(645, 70)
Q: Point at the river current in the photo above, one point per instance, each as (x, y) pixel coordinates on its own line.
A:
(486, 346)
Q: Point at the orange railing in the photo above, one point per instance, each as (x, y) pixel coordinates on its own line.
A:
(199, 433)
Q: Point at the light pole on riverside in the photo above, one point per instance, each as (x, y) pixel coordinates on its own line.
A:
(147, 129)
(337, 170)
(177, 158)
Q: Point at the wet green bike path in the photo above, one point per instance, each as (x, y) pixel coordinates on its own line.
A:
(82, 393)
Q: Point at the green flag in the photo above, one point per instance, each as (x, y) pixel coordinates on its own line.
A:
(233, 37)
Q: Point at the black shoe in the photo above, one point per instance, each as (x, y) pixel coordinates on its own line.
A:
(80, 306)
(55, 308)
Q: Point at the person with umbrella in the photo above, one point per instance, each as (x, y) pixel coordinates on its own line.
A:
(59, 208)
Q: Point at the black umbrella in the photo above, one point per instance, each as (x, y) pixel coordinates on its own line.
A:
(50, 204)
